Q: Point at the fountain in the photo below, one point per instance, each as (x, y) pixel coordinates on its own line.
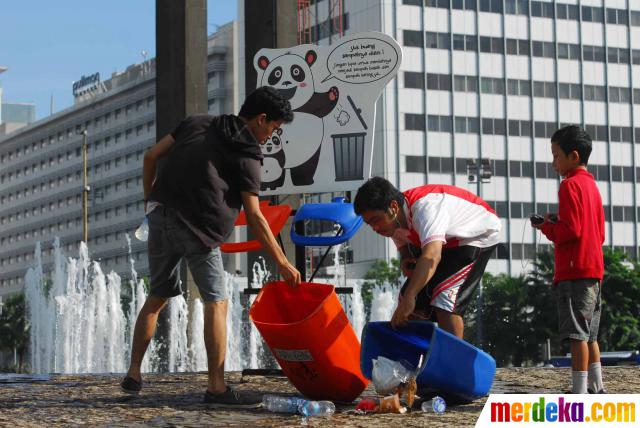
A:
(79, 323)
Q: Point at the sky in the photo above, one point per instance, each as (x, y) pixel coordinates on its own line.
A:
(47, 45)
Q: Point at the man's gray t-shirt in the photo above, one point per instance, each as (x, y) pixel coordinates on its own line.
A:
(212, 161)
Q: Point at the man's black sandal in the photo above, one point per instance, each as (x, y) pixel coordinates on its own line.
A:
(131, 386)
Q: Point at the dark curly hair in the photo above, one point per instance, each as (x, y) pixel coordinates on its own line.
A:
(571, 138)
(376, 194)
(266, 100)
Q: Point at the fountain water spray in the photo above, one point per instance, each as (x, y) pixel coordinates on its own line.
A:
(79, 325)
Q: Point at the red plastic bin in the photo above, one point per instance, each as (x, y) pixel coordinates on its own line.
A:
(311, 337)
(276, 216)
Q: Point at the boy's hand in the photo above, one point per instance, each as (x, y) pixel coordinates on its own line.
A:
(405, 308)
(551, 218)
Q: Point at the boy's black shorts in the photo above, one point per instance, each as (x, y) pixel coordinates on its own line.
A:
(454, 282)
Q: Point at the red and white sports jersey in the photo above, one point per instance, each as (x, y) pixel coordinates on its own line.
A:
(439, 212)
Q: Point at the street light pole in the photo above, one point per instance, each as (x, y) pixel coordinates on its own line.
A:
(85, 189)
(479, 173)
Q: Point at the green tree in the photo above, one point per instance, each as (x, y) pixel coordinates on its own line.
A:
(619, 324)
(508, 332)
(14, 328)
(540, 297)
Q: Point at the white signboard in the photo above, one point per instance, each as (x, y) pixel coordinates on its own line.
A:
(332, 90)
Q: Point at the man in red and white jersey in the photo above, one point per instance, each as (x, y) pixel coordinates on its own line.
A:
(445, 236)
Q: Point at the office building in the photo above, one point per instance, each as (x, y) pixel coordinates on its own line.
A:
(41, 167)
(487, 82)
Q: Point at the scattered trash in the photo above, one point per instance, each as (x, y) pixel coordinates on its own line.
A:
(389, 404)
(367, 405)
(316, 408)
(142, 232)
(293, 405)
(436, 405)
(387, 374)
(280, 404)
(409, 389)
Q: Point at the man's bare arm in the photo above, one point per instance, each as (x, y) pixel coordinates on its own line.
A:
(262, 232)
(150, 162)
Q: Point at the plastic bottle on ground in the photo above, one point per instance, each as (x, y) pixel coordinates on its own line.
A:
(281, 404)
(435, 405)
(142, 232)
(316, 408)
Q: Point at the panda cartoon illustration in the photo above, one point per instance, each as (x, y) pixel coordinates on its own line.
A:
(301, 140)
(272, 172)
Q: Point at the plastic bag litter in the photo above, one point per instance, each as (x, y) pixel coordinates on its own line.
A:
(387, 374)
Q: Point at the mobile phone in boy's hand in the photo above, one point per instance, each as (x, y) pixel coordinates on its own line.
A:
(536, 219)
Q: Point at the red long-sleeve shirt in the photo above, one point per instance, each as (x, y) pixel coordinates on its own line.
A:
(578, 234)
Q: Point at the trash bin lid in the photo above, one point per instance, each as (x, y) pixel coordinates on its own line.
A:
(337, 211)
(276, 216)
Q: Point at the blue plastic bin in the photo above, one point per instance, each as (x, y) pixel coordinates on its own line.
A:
(452, 367)
(337, 211)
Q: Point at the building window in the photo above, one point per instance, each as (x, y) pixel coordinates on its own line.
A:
(493, 6)
(492, 45)
(516, 7)
(519, 87)
(568, 51)
(413, 38)
(567, 11)
(543, 49)
(465, 42)
(467, 125)
(492, 126)
(544, 89)
(438, 40)
(439, 123)
(414, 122)
(570, 91)
(593, 53)
(541, 10)
(413, 80)
(465, 83)
(415, 164)
(490, 85)
(437, 3)
(619, 95)
(463, 4)
(592, 14)
(519, 128)
(439, 82)
(594, 93)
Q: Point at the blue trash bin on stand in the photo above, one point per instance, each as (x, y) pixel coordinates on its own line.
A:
(337, 211)
(451, 367)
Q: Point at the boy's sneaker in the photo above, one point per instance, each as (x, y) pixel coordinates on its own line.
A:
(131, 386)
(232, 398)
(602, 391)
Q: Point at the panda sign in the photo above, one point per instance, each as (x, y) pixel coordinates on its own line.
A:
(332, 90)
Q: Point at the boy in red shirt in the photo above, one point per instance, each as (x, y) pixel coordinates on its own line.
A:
(577, 231)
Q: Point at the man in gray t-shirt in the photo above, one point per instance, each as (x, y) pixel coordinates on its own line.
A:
(195, 181)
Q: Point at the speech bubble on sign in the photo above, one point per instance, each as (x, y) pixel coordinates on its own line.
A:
(362, 60)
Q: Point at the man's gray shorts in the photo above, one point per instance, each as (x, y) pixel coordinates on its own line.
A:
(170, 239)
(579, 308)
